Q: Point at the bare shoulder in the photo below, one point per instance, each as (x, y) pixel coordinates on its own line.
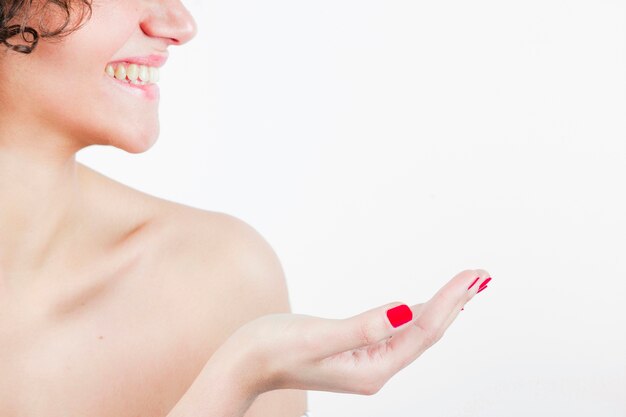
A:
(208, 257)
(231, 257)
(226, 261)
(241, 248)
(226, 257)
(200, 275)
(226, 243)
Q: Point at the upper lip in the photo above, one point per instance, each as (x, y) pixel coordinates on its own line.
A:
(153, 60)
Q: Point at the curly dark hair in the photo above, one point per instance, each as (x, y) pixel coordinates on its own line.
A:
(23, 10)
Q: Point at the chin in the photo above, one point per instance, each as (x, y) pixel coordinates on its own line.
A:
(133, 143)
(140, 145)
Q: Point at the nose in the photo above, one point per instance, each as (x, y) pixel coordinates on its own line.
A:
(170, 20)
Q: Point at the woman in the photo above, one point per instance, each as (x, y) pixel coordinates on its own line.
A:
(118, 303)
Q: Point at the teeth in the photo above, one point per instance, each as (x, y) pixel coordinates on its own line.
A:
(154, 74)
(133, 73)
(120, 72)
(143, 73)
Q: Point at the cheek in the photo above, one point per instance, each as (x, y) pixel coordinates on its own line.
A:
(75, 94)
(76, 98)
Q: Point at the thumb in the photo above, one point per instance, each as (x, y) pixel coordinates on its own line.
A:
(366, 328)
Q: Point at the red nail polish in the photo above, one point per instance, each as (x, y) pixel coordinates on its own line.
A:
(463, 309)
(399, 315)
(483, 288)
(473, 283)
(484, 284)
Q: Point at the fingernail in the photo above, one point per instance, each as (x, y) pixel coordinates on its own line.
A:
(463, 309)
(484, 284)
(483, 288)
(399, 315)
(473, 283)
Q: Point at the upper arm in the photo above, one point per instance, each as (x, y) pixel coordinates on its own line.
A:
(259, 288)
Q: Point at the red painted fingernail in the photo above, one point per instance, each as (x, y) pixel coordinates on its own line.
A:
(399, 315)
(484, 284)
(483, 288)
(463, 309)
(473, 283)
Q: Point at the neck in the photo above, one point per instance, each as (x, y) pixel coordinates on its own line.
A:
(40, 198)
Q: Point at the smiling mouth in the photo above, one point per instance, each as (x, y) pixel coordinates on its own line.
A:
(140, 80)
(133, 74)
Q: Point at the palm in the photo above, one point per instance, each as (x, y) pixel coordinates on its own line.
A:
(378, 355)
(354, 355)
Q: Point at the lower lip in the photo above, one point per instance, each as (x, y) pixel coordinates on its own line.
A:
(147, 91)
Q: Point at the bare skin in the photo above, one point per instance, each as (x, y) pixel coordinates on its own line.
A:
(357, 354)
(126, 328)
(111, 300)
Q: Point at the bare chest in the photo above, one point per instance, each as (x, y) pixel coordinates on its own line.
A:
(124, 348)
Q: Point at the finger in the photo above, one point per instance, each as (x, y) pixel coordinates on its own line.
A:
(481, 277)
(433, 320)
(374, 325)
(448, 301)
(364, 329)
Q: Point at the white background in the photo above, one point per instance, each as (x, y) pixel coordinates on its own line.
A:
(383, 146)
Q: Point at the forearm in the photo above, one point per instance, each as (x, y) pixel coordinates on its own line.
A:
(220, 390)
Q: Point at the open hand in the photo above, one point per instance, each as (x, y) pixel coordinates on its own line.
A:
(358, 354)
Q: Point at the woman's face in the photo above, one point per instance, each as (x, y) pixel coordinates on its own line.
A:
(63, 89)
